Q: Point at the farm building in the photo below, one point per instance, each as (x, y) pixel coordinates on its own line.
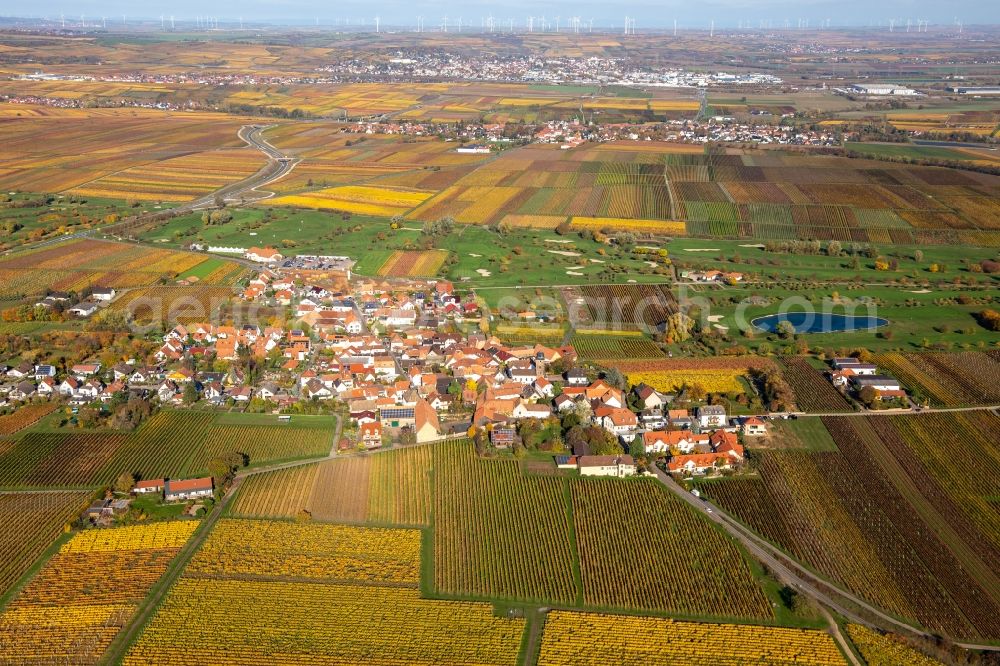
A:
(973, 90)
(882, 89)
(567, 462)
(148, 486)
(855, 366)
(83, 309)
(264, 255)
(188, 488)
(877, 382)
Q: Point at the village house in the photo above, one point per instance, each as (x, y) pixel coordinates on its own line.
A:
(103, 293)
(370, 435)
(711, 416)
(620, 421)
(82, 370)
(426, 425)
(697, 464)
(751, 426)
(666, 441)
(617, 466)
(526, 410)
(649, 397)
(576, 377)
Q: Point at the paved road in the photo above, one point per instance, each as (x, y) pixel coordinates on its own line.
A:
(278, 166)
(792, 573)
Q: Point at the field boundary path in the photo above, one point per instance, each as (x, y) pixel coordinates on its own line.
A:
(798, 576)
(888, 412)
(838, 637)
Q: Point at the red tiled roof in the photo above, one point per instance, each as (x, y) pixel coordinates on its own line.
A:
(188, 485)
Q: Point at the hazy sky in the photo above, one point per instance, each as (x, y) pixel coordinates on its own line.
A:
(649, 13)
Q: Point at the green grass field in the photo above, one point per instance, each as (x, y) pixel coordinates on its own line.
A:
(56, 214)
(747, 257)
(914, 318)
(483, 257)
(909, 151)
(809, 432)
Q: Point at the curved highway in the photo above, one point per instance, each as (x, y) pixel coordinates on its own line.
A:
(278, 166)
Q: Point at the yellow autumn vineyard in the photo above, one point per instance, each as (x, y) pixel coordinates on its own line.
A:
(327, 624)
(668, 227)
(715, 375)
(171, 534)
(78, 602)
(582, 639)
(713, 381)
(879, 650)
(413, 263)
(320, 551)
(384, 621)
(357, 199)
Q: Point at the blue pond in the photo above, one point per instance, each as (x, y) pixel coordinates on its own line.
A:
(818, 322)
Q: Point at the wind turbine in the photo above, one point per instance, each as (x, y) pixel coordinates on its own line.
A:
(444, 24)
(711, 31)
(171, 21)
(377, 20)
